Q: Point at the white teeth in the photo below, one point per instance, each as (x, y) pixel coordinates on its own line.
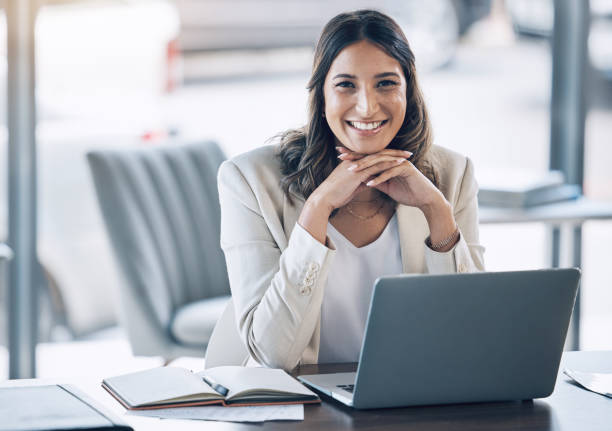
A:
(365, 126)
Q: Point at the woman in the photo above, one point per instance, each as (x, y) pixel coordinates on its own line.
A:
(359, 192)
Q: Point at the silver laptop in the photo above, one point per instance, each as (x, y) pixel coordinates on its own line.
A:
(459, 338)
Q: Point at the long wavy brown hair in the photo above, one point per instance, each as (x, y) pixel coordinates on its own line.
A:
(308, 154)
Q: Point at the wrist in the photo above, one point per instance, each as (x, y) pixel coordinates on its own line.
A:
(437, 209)
(445, 244)
(317, 204)
(440, 219)
(315, 216)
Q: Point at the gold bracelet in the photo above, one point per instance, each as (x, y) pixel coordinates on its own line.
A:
(446, 241)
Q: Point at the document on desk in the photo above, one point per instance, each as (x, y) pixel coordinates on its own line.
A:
(596, 382)
(294, 412)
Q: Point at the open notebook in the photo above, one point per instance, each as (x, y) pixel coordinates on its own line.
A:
(229, 386)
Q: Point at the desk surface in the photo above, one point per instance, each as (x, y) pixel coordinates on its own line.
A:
(575, 211)
(569, 408)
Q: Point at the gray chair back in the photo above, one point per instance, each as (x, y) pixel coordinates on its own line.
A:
(161, 209)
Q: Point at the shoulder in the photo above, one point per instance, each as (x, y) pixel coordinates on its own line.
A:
(256, 172)
(260, 165)
(455, 173)
(448, 163)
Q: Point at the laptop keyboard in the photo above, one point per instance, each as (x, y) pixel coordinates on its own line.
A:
(348, 388)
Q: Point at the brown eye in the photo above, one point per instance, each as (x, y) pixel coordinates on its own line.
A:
(345, 84)
(387, 83)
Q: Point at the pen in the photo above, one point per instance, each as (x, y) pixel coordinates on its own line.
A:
(216, 386)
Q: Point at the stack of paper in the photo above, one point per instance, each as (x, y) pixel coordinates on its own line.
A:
(595, 382)
(228, 414)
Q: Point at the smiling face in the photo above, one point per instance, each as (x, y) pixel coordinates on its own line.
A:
(365, 97)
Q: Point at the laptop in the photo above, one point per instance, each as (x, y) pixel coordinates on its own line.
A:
(459, 338)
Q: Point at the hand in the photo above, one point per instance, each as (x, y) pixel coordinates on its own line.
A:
(340, 187)
(346, 180)
(405, 184)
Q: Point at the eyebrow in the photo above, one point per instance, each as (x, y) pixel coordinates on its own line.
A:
(387, 74)
(380, 75)
(344, 75)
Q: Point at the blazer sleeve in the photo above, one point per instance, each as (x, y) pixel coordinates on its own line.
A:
(277, 294)
(467, 254)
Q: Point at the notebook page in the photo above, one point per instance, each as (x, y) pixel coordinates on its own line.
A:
(159, 384)
(243, 379)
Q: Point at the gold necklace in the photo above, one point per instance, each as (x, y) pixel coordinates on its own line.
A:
(360, 217)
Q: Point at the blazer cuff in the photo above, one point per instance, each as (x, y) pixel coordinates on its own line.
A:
(309, 259)
(457, 259)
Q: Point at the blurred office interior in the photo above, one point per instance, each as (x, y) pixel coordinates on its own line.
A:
(145, 73)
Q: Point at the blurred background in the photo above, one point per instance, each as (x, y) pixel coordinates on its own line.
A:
(115, 73)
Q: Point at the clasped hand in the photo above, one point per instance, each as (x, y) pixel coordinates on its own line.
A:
(388, 170)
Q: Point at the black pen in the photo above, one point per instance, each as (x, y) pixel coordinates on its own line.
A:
(216, 386)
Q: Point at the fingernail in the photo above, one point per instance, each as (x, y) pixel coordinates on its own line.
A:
(401, 161)
(370, 183)
(408, 152)
(340, 156)
(352, 167)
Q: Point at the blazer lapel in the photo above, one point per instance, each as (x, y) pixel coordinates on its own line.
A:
(413, 229)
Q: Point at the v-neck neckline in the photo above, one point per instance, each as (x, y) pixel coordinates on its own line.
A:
(368, 245)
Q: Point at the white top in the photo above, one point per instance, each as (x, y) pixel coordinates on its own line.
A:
(348, 291)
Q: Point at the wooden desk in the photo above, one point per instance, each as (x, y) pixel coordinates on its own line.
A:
(569, 408)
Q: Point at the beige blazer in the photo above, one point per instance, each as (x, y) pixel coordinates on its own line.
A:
(278, 271)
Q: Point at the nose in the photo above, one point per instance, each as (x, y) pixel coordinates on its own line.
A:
(367, 105)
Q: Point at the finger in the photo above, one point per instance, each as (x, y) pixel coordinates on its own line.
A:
(347, 152)
(373, 159)
(386, 151)
(368, 179)
(344, 150)
(377, 169)
(360, 188)
(398, 153)
(382, 187)
(396, 171)
(349, 156)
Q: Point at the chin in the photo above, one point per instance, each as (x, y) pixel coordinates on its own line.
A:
(366, 147)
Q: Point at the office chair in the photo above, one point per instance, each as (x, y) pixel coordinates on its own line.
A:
(161, 210)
